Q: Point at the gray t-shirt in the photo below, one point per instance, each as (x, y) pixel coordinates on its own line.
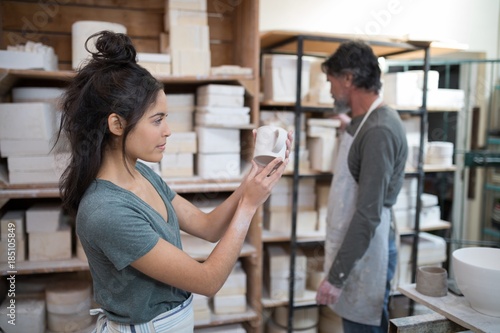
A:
(116, 228)
(376, 160)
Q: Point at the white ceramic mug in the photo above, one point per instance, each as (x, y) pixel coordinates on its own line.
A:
(270, 143)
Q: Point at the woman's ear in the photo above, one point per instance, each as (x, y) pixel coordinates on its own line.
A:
(116, 124)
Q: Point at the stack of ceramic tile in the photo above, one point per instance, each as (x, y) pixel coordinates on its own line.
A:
(405, 206)
(278, 208)
(68, 305)
(28, 128)
(188, 36)
(231, 298)
(439, 153)
(201, 309)
(321, 140)
(178, 157)
(219, 104)
(13, 237)
(49, 235)
(155, 63)
(286, 120)
(277, 272)
(218, 153)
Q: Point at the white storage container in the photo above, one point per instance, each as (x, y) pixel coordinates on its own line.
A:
(28, 60)
(24, 121)
(81, 30)
(227, 119)
(404, 89)
(155, 63)
(280, 78)
(221, 89)
(36, 94)
(181, 142)
(218, 140)
(217, 166)
(177, 165)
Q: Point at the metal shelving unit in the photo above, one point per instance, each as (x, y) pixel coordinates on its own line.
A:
(304, 44)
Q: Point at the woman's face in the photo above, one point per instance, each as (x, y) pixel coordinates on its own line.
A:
(148, 138)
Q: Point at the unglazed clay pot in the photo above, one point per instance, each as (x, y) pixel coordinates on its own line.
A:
(432, 281)
(477, 273)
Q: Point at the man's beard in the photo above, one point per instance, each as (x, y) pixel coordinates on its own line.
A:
(340, 107)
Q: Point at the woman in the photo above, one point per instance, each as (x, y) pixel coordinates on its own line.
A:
(127, 218)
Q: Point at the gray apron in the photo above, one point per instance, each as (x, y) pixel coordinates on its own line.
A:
(362, 297)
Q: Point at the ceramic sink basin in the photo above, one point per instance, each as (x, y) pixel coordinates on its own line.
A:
(477, 274)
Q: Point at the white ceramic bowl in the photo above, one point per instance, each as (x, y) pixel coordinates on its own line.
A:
(477, 273)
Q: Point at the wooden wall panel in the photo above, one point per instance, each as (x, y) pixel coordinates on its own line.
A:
(34, 19)
(50, 23)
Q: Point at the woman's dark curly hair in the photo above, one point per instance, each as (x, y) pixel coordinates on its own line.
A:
(110, 82)
(357, 58)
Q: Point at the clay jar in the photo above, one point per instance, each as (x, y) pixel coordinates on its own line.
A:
(432, 281)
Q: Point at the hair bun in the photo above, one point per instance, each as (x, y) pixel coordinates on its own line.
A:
(112, 47)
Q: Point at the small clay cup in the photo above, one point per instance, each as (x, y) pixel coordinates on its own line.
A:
(432, 281)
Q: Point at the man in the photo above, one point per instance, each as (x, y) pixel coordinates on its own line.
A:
(360, 251)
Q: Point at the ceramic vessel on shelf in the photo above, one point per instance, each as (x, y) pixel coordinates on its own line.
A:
(477, 273)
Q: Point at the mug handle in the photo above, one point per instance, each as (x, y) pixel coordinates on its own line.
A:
(280, 141)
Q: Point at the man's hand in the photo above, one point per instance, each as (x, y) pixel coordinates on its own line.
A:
(327, 293)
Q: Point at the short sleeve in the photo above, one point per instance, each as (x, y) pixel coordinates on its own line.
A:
(123, 234)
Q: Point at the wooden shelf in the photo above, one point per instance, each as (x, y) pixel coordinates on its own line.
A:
(429, 168)
(308, 299)
(180, 185)
(34, 267)
(433, 226)
(455, 308)
(9, 77)
(218, 319)
(323, 44)
(273, 236)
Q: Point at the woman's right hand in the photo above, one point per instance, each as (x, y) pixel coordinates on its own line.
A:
(260, 181)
